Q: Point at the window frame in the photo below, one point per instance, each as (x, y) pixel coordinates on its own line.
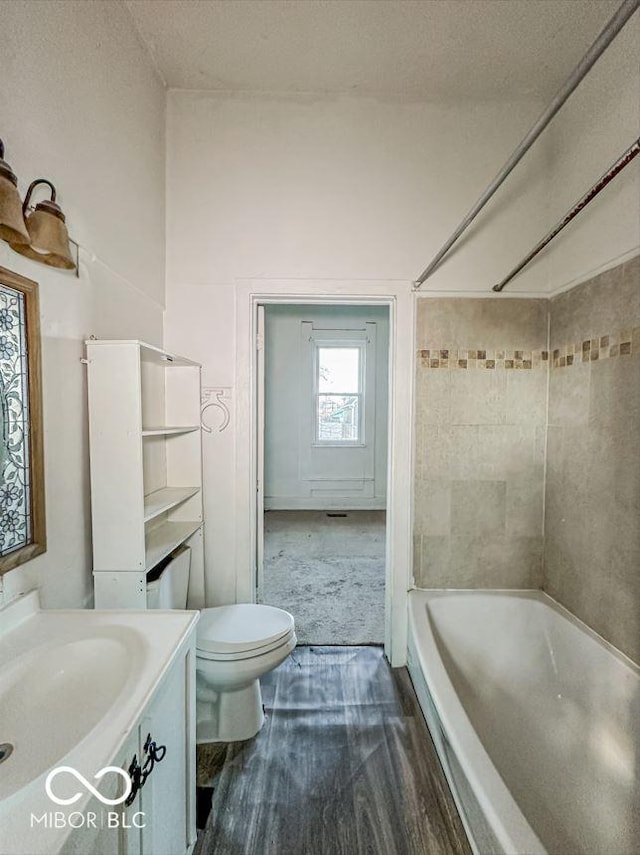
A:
(339, 344)
(38, 542)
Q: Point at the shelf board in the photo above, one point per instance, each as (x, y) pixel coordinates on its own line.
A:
(169, 431)
(148, 352)
(163, 539)
(163, 500)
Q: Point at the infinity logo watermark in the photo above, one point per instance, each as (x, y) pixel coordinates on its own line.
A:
(73, 799)
(89, 819)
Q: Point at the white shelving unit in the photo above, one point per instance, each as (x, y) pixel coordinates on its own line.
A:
(146, 467)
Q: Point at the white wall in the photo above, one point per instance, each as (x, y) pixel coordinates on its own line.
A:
(288, 458)
(316, 188)
(313, 190)
(598, 123)
(313, 187)
(344, 188)
(81, 105)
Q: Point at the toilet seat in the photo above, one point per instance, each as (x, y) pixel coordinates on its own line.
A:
(247, 654)
(242, 631)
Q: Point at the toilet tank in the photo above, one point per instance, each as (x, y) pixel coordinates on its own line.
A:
(169, 588)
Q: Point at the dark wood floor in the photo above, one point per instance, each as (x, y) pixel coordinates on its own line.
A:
(343, 765)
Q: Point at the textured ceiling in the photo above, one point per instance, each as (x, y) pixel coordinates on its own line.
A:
(422, 49)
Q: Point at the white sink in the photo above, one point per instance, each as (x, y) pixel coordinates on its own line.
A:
(53, 697)
(73, 684)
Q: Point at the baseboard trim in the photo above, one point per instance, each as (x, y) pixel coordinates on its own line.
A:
(297, 504)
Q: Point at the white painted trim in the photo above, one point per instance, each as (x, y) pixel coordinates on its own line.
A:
(260, 413)
(398, 296)
(332, 503)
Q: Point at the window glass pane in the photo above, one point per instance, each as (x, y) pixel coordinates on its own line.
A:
(15, 500)
(339, 369)
(338, 418)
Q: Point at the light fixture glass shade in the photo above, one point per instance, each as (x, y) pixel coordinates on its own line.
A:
(12, 227)
(48, 235)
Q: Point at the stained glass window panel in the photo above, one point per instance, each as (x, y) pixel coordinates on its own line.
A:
(15, 487)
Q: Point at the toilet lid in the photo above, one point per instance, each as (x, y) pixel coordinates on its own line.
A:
(235, 629)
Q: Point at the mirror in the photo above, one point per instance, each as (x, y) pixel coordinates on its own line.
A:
(22, 506)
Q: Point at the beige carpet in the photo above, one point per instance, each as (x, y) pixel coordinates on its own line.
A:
(328, 572)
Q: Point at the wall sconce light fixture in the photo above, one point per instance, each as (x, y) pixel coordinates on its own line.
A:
(48, 238)
(12, 227)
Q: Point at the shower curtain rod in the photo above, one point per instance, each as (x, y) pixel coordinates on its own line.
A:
(624, 160)
(599, 46)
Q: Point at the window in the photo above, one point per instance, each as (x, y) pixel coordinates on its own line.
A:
(338, 394)
(22, 524)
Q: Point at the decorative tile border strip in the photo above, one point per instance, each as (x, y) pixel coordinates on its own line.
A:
(589, 350)
(465, 358)
(594, 349)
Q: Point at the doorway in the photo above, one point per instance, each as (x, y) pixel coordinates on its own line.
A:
(398, 297)
(322, 448)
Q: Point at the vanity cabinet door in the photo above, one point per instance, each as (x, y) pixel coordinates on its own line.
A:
(161, 817)
(168, 796)
(107, 830)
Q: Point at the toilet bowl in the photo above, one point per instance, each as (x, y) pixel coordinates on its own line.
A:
(235, 646)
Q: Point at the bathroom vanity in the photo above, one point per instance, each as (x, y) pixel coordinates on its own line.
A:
(94, 704)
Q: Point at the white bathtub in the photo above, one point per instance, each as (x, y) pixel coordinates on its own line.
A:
(536, 720)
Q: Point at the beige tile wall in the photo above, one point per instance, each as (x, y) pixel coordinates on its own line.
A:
(480, 437)
(480, 455)
(592, 526)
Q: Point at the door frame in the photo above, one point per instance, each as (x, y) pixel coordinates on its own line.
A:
(399, 298)
(259, 444)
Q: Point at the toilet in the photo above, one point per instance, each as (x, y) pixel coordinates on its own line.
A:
(235, 646)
